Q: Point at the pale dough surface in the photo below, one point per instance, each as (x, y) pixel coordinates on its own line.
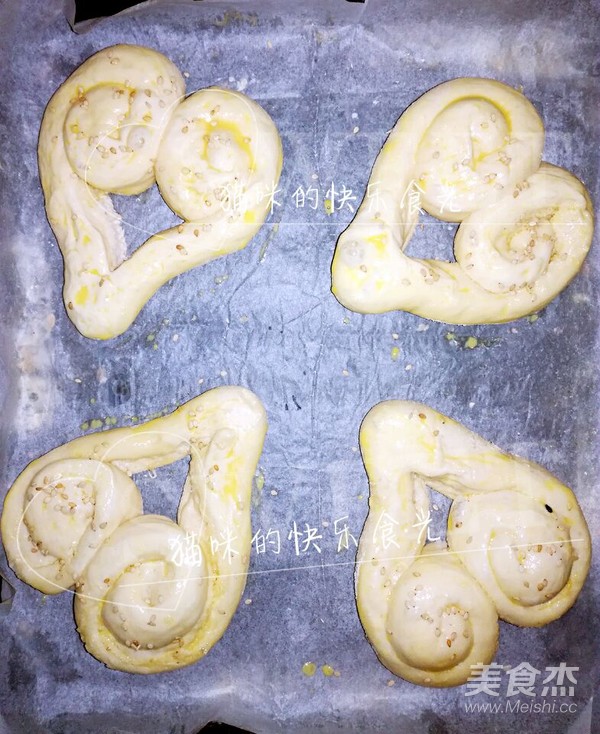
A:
(518, 546)
(118, 124)
(151, 594)
(469, 151)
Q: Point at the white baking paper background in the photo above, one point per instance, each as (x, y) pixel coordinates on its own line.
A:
(334, 76)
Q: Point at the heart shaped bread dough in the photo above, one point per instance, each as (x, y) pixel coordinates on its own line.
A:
(467, 151)
(518, 545)
(151, 594)
(116, 125)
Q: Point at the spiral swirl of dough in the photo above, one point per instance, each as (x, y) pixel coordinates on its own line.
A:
(440, 622)
(151, 594)
(467, 151)
(68, 509)
(521, 549)
(137, 606)
(117, 125)
(518, 545)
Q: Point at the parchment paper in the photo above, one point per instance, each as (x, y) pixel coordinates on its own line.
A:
(334, 76)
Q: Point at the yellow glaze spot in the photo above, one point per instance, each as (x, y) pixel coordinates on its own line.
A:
(379, 241)
(327, 670)
(240, 140)
(249, 217)
(309, 669)
(82, 295)
(230, 487)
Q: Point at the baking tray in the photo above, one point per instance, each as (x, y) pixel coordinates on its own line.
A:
(334, 76)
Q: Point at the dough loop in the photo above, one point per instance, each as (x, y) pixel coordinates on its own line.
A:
(467, 151)
(518, 546)
(150, 594)
(118, 124)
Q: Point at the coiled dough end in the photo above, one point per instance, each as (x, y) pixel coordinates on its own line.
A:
(439, 624)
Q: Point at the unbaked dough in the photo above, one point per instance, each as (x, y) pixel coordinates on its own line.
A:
(467, 151)
(518, 546)
(116, 125)
(151, 594)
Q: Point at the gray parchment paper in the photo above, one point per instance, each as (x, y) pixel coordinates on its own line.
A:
(334, 76)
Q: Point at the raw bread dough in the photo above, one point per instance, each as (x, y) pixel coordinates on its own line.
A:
(467, 151)
(116, 125)
(518, 545)
(151, 594)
